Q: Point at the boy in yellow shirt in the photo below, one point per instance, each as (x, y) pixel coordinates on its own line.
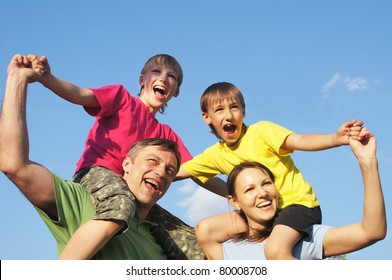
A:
(223, 109)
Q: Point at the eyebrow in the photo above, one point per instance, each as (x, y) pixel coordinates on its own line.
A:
(173, 166)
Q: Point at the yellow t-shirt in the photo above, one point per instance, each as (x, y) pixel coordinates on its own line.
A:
(261, 142)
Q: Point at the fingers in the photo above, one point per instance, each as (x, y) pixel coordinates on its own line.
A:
(365, 133)
(21, 60)
(43, 59)
(358, 123)
(353, 131)
(32, 57)
(37, 66)
(37, 63)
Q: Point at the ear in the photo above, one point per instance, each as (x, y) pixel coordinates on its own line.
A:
(141, 80)
(233, 202)
(206, 118)
(177, 92)
(126, 165)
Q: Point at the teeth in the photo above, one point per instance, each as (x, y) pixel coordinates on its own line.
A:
(153, 184)
(265, 203)
(229, 127)
(161, 90)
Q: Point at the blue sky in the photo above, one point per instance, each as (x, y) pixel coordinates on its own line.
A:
(306, 65)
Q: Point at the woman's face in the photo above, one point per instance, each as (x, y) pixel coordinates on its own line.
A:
(256, 196)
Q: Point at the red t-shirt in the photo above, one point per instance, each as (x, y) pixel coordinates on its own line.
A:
(121, 120)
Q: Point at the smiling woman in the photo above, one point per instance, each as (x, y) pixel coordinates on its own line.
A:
(252, 191)
(254, 196)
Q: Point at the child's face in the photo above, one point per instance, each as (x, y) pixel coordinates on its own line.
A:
(159, 85)
(227, 118)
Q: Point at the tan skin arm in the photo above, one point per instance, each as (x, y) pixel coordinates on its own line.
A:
(33, 180)
(64, 89)
(215, 184)
(373, 227)
(212, 231)
(318, 142)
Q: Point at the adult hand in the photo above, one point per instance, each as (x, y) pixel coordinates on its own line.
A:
(21, 66)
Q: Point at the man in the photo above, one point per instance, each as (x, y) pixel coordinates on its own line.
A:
(149, 169)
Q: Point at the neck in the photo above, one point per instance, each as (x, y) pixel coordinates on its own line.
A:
(259, 232)
(143, 212)
(150, 108)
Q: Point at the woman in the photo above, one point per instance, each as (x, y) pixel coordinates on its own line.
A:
(254, 197)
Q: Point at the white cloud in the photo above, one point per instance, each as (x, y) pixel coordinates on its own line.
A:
(203, 203)
(188, 187)
(332, 82)
(357, 84)
(351, 84)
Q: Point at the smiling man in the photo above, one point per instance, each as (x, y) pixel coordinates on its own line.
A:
(149, 169)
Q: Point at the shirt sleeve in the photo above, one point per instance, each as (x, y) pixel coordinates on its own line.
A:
(311, 248)
(110, 98)
(274, 135)
(73, 209)
(185, 154)
(202, 166)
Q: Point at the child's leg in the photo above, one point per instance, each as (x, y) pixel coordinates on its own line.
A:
(291, 224)
(115, 207)
(281, 242)
(90, 238)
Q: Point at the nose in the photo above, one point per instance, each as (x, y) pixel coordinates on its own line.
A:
(261, 192)
(163, 77)
(160, 170)
(228, 114)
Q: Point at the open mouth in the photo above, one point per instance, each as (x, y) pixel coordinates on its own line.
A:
(264, 204)
(230, 128)
(160, 90)
(152, 184)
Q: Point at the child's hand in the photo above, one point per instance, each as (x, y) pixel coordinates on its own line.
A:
(39, 64)
(351, 129)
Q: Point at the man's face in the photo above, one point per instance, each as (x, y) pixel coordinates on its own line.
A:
(150, 174)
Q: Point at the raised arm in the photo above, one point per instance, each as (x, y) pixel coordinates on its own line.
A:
(373, 227)
(215, 184)
(318, 142)
(66, 90)
(34, 181)
(212, 231)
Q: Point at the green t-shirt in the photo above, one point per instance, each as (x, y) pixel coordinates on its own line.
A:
(75, 208)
